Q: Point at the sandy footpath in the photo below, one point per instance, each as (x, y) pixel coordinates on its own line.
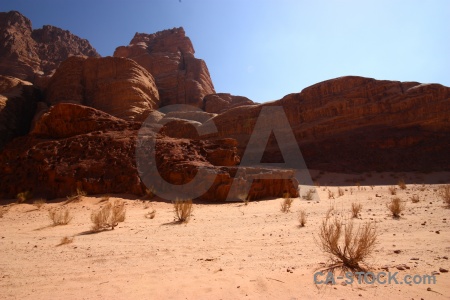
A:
(226, 251)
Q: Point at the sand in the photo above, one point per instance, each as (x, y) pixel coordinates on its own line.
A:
(228, 250)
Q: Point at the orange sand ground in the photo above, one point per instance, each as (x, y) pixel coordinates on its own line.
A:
(226, 251)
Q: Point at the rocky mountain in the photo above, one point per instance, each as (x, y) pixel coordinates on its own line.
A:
(169, 56)
(28, 54)
(78, 121)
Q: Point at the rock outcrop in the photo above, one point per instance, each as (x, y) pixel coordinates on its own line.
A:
(18, 100)
(30, 54)
(221, 102)
(356, 123)
(118, 86)
(169, 56)
(74, 146)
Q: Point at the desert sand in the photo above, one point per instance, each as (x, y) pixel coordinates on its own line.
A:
(226, 250)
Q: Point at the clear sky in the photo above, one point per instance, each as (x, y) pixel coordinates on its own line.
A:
(269, 48)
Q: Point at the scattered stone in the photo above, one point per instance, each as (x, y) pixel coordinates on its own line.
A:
(442, 270)
(437, 231)
(415, 258)
(397, 251)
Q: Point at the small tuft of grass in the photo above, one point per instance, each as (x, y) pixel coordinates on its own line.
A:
(415, 199)
(356, 209)
(286, 203)
(244, 198)
(393, 190)
(60, 217)
(330, 194)
(445, 194)
(340, 192)
(149, 193)
(39, 203)
(182, 210)
(151, 214)
(66, 240)
(396, 206)
(23, 197)
(309, 194)
(76, 197)
(302, 217)
(401, 183)
(347, 247)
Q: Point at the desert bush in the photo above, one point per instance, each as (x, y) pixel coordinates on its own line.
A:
(396, 206)
(23, 196)
(66, 240)
(149, 193)
(60, 217)
(286, 203)
(415, 199)
(330, 210)
(309, 194)
(340, 192)
(346, 246)
(151, 214)
(393, 190)
(401, 184)
(356, 209)
(108, 216)
(39, 203)
(182, 210)
(445, 194)
(244, 198)
(330, 194)
(302, 218)
(76, 197)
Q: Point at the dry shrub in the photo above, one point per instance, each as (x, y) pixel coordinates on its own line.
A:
(286, 203)
(356, 209)
(76, 197)
(309, 194)
(415, 199)
(60, 217)
(65, 240)
(104, 199)
(396, 206)
(244, 198)
(23, 196)
(39, 203)
(347, 246)
(358, 185)
(401, 184)
(182, 210)
(302, 218)
(330, 195)
(340, 192)
(108, 216)
(330, 210)
(393, 190)
(3, 211)
(149, 193)
(317, 183)
(445, 194)
(150, 214)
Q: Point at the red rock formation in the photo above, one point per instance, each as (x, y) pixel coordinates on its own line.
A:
(74, 146)
(114, 85)
(17, 105)
(169, 56)
(221, 102)
(28, 54)
(356, 123)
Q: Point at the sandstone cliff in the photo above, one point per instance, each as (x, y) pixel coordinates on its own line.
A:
(18, 100)
(28, 54)
(118, 86)
(355, 123)
(169, 56)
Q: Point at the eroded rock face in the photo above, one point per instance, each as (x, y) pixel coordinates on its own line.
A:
(74, 146)
(29, 54)
(114, 85)
(221, 102)
(358, 124)
(169, 56)
(18, 100)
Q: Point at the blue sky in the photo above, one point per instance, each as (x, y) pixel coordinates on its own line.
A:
(269, 48)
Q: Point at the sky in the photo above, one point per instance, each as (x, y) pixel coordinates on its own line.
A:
(270, 48)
